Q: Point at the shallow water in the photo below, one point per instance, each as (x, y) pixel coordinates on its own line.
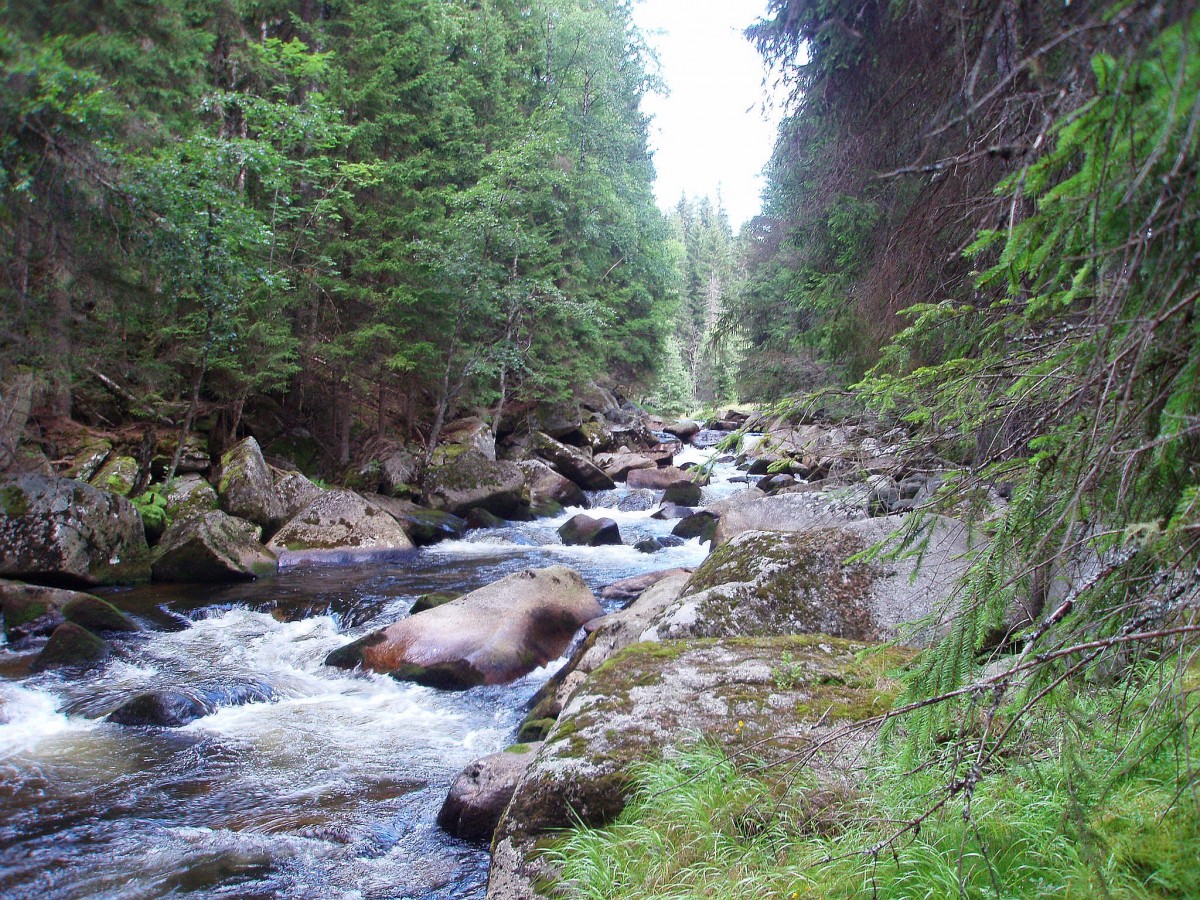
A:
(307, 782)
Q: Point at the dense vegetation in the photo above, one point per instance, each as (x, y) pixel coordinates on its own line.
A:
(990, 219)
(346, 217)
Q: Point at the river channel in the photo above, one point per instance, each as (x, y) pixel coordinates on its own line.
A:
(307, 782)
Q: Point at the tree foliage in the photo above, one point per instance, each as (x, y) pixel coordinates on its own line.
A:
(215, 204)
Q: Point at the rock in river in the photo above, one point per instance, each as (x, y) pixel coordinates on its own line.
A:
(212, 547)
(337, 522)
(490, 636)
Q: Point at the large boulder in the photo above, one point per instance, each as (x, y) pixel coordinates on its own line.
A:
(55, 530)
(572, 463)
(31, 610)
(628, 589)
(661, 479)
(88, 460)
(683, 493)
(685, 430)
(338, 525)
(582, 530)
(545, 484)
(606, 637)
(482, 790)
(423, 526)
(95, 614)
(490, 636)
(617, 466)
(470, 433)
(472, 480)
(805, 582)
(212, 547)
(295, 492)
(798, 511)
(770, 697)
(247, 487)
(188, 496)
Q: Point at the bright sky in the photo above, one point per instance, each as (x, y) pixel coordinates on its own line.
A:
(710, 132)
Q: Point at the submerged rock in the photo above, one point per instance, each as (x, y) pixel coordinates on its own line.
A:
(490, 636)
(71, 647)
(162, 709)
(62, 531)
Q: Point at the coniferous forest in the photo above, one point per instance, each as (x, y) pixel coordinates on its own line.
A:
(940, 589)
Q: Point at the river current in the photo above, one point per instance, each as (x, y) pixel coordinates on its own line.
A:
(308, 781)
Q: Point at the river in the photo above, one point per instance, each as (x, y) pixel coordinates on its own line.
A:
(325, 784)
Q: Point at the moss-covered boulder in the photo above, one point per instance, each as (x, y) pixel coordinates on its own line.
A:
(89, 458)
(583, 530)
(61, 531)
(246, 487)
(187, 497)
(469, 433)
(683, 493)
(118, 475)
(806, 582)
(31, 610)
(606, 637)
(471, 481)
(338, 522)
(295, 491)
(71, 647)
(572, 463)
(212, 547)
(481, 791)
(423, 526)
(547, 486)
(95, 614)
(735, 692)
(194, 459)
(490, 636)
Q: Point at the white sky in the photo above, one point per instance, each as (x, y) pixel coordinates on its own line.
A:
(710, 132)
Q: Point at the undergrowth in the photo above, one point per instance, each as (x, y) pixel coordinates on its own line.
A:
(1090, 807)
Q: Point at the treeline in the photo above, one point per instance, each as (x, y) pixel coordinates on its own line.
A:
(346, 216)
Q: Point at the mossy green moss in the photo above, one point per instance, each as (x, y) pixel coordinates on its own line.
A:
(13, 501)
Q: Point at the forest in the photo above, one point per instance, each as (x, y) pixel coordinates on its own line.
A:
(345, 225)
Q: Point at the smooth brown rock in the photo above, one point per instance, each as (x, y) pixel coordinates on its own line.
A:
(490, 636)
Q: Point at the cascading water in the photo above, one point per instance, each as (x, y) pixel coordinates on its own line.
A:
(307, 781)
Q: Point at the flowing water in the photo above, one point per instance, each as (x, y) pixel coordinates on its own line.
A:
(307, 782)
